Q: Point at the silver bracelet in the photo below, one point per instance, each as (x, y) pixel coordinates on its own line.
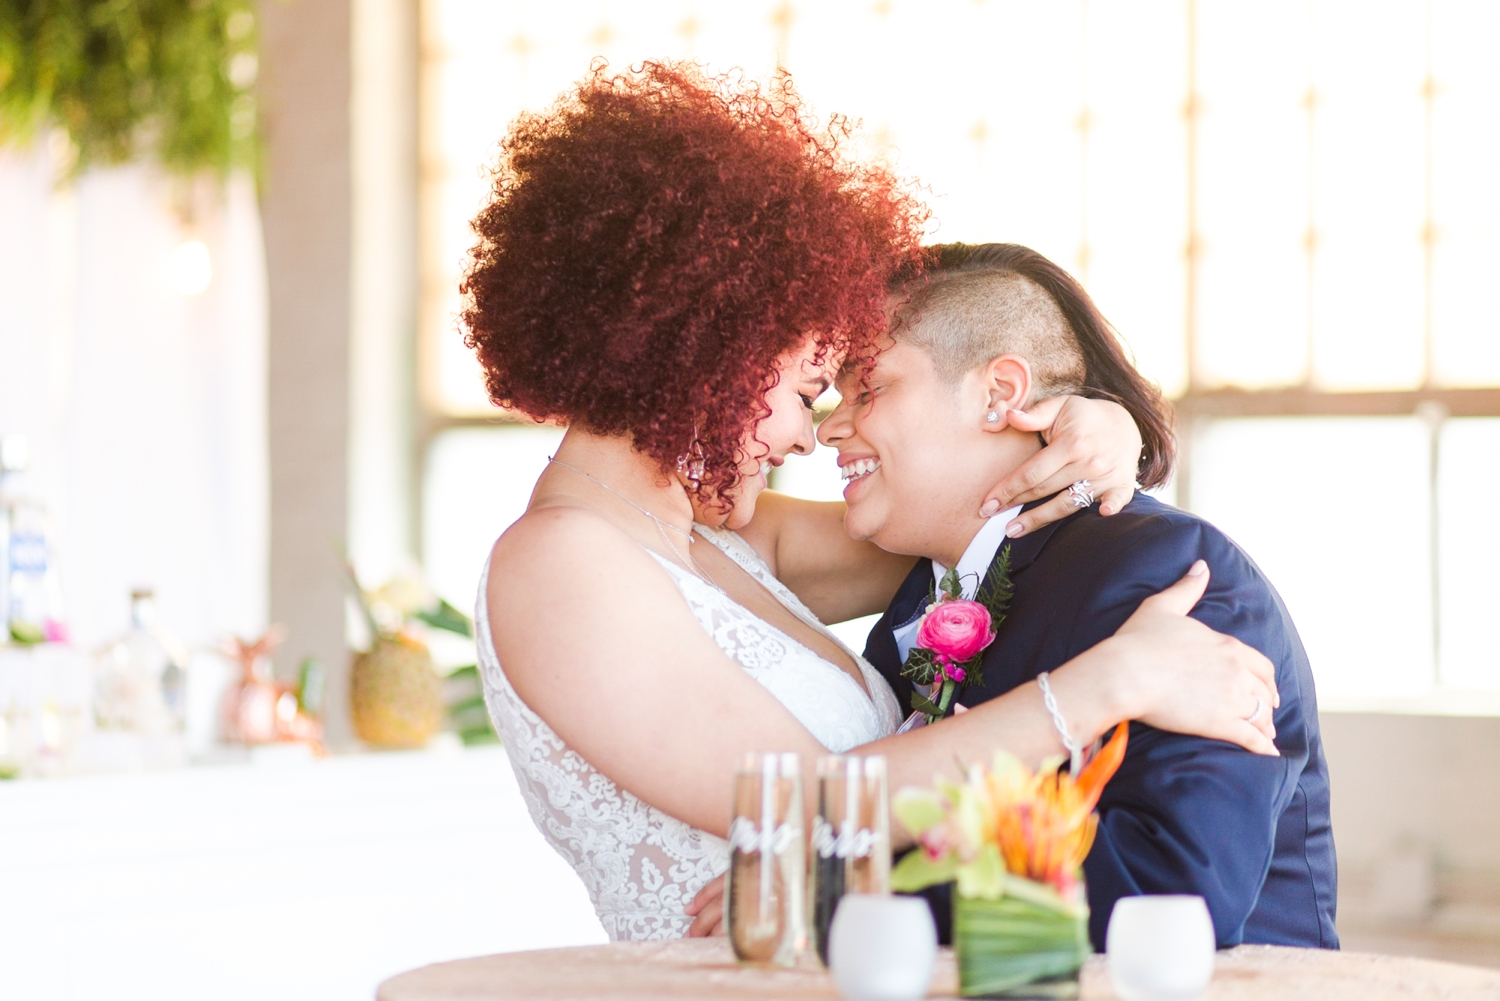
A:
(1075, 752)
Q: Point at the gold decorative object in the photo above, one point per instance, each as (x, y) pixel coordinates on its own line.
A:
(396, 689)
(395, 693)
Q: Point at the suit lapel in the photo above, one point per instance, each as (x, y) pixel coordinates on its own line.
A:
(911, 598)
(880, 648)
(1023, 552)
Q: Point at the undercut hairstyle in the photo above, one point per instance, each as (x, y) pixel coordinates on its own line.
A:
(966, 304)
(656, 240)
(965, 318)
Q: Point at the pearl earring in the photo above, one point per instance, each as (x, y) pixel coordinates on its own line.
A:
(993, 417)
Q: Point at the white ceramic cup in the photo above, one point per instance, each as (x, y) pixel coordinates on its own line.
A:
(1160, 948)
(882, 948)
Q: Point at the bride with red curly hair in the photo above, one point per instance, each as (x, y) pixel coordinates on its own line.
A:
(673, 266)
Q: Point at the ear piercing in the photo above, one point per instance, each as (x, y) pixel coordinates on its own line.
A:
(993, 417)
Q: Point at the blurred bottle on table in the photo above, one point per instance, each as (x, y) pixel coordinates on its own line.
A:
(142, 676)
(30, 599)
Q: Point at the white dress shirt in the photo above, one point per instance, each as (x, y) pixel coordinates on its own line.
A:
(972, 566)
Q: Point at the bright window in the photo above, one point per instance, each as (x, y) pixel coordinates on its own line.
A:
(1287, 209)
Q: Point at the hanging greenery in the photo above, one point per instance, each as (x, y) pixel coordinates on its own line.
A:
(125, 79)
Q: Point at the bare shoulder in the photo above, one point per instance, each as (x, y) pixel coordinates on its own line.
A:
(556, 550)
(591, 630)
(551, 531)
(569, 592)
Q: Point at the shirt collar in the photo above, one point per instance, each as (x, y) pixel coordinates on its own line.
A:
(976, 560)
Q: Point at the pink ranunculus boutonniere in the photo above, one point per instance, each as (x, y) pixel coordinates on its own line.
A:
(950, 642)
(956, 630)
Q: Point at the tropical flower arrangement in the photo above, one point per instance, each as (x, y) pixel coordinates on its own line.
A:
(1014, 841)
(952, 638)
(399, 695)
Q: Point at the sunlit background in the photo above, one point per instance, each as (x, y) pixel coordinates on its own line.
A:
(230, 389)
(1287, 209)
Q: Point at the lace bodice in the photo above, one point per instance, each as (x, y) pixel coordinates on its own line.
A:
(641, 866)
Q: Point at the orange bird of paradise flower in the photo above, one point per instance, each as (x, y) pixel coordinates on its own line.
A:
(1035, 826)
(1044, 823)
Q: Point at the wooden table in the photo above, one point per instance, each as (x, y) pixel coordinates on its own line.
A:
(705, 969)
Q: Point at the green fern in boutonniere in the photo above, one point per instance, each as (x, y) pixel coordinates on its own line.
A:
(953, 635)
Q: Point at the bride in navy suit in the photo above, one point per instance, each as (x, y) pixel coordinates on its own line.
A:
(675, 267)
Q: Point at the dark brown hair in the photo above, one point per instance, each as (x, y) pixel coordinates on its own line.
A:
(657, 239)
(1109, 374)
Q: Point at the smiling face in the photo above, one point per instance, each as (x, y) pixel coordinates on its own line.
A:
(916, 451)
(786, 430)
(894, 429)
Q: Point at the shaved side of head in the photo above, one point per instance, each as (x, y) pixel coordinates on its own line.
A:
(965, 319)
(966, 304)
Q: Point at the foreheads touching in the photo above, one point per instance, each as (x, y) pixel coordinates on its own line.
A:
(1037, 312)
(976, 332)
(922, 430)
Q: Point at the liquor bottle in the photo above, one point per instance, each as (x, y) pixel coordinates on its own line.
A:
(30, 605)
(142, 681)
(5, 485)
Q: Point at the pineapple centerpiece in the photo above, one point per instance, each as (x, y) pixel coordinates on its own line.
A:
(395, 690)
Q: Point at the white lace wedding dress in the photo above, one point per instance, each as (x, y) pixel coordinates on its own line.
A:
(641, 866)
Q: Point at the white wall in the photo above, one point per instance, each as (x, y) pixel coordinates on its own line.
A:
(145, 408)
(383, 286)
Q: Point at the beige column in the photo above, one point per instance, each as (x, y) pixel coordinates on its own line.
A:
(306, 204)
(339, 102)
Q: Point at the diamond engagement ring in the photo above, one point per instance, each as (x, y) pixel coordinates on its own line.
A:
(1080, 494)
(1259, 705)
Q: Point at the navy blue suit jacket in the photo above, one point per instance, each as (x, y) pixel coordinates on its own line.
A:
(1248, 833)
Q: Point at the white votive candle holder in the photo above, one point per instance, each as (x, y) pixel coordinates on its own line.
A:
(882, 948)
(1161, 948)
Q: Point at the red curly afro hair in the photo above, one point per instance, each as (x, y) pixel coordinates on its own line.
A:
(656, 240)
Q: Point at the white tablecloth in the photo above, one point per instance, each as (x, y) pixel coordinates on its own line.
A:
(310, 881)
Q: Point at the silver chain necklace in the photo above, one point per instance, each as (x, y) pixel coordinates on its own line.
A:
(661, 526)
